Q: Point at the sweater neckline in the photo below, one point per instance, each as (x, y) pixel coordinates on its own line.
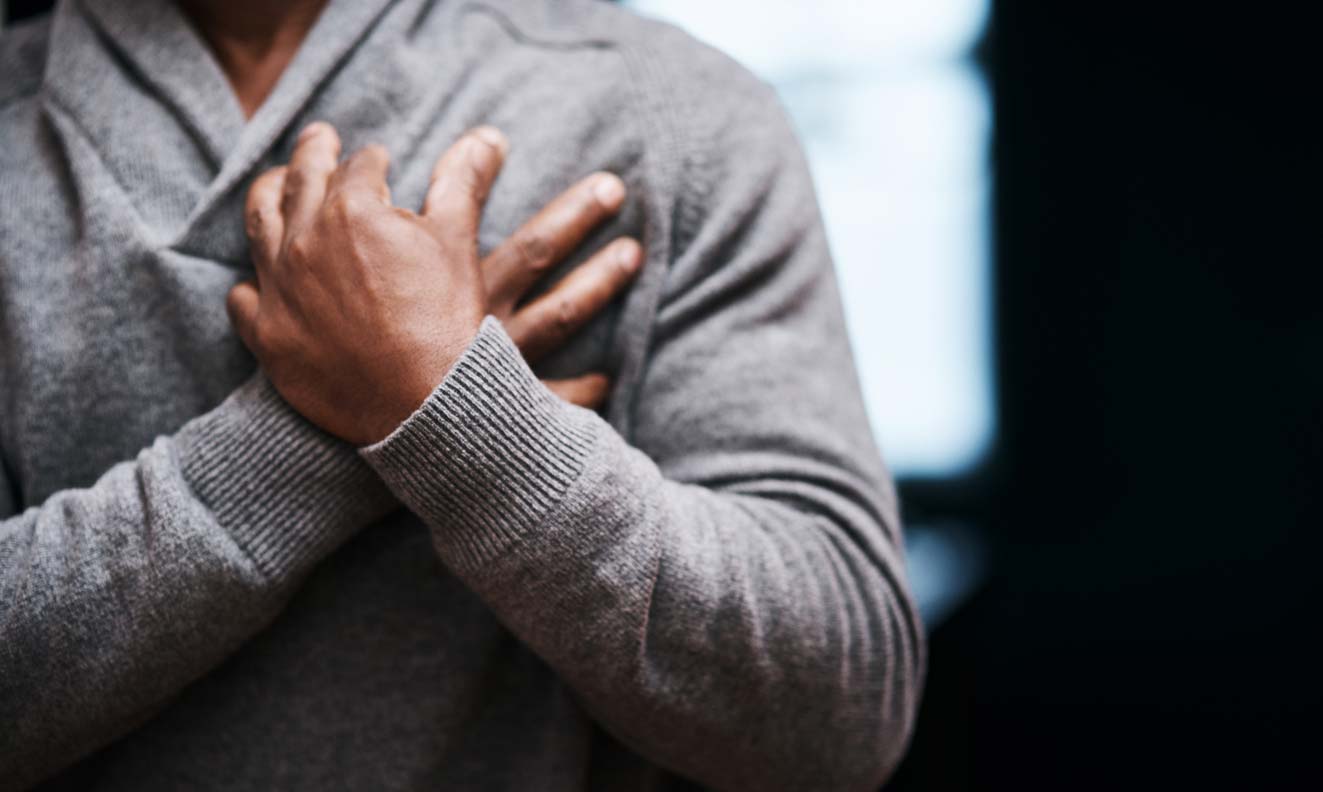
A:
(153, 40)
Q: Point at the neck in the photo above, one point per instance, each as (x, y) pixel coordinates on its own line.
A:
(253, 40)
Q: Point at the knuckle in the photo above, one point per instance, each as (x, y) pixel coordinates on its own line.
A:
(261, 222)
(535, 251)
(263, 186)
(566, 316)
(300, 249)
(348, 205)
(254, 222)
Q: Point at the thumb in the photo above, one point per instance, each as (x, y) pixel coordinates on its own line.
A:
(242, 306)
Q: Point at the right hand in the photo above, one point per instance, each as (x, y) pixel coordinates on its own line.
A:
(509, 272)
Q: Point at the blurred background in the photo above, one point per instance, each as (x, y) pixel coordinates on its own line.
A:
(1075, 243)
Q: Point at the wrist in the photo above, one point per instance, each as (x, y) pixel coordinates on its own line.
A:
(487, 454)
(410, 386)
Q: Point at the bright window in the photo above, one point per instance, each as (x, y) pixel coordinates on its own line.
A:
(896, 121)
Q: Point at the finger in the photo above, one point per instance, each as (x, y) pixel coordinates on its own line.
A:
(242, 306)
(263, 221)
(315, 158)
(462, 179)
(589, 391)
(365, 171)
(548, 322)
(516, 264)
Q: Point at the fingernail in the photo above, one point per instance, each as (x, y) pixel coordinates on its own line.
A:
(629, 255)
(492, 137)
(315, 128)
(609, 190)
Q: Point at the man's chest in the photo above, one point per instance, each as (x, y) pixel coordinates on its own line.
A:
(115, 331)
(113, 275)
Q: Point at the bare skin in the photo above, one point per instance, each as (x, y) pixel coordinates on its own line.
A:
(253, 41)
(291, 226)
(362, 307)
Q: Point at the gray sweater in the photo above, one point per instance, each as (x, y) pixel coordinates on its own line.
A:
(198, 589)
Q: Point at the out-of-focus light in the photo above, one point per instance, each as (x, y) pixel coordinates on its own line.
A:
(896, 122)
(780, 37)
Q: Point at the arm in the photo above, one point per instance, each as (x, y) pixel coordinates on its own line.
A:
(114, 597)
(727, 597)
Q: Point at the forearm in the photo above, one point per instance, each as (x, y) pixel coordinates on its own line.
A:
(734, 638)
(115, 597)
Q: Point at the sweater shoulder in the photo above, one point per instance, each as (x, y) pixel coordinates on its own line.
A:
(23, 59)
(735, 143)
(703, 85)
(729, 135)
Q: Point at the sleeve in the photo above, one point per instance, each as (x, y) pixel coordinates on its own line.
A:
(114, 597)
(727, 595)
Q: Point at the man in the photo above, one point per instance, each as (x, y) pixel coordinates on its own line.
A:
(393, 558)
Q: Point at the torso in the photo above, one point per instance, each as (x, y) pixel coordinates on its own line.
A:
(384, 671)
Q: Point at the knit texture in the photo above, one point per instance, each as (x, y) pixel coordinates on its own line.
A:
(490, 454)
(286, 491)
(704, 584)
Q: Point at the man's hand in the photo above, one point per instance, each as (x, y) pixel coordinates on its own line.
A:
(361, 308)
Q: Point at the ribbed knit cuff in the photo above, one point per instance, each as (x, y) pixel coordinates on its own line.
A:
(288, 492)
(487, 455)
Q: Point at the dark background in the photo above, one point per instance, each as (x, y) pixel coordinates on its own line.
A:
(1151, 505)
